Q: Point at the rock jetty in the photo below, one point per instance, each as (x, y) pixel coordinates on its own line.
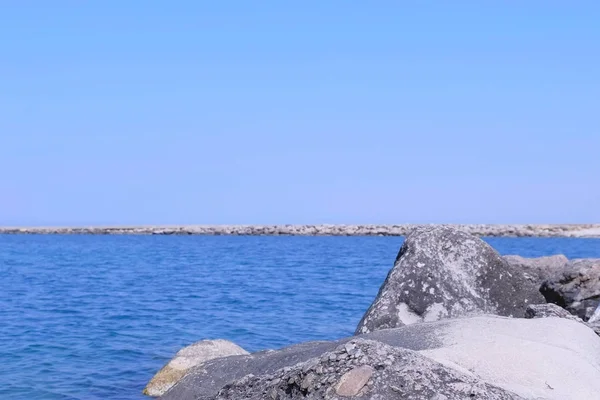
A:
(453, 320)
(585, 230)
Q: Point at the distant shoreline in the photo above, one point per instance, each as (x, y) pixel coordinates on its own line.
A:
(490, 230)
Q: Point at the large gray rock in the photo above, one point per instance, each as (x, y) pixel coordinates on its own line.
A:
(576, 288)
(442, 272)
(538, 269)
(365, 369)
(485, 357)
(206, 380)
(187, 358)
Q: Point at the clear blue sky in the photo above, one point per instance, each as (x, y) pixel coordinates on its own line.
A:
(173, 112)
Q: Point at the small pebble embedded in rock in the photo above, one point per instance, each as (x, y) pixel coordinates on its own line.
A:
(353, 381)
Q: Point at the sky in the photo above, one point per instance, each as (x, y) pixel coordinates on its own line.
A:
(272, 112)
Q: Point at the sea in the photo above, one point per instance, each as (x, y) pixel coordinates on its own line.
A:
(94, 317)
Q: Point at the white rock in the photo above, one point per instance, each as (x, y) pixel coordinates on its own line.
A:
(186, 358)
(549, 358)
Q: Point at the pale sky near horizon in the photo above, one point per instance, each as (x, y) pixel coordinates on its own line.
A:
(194, 112)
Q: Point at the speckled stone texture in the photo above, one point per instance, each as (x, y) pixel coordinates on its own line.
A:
(576, 288)
(187, 358)
(364, 369)
(442, 272)
(538, 269)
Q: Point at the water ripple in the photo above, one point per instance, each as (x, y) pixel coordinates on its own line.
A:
(94, 317)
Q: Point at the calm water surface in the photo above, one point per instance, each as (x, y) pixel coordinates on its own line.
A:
(94, 317)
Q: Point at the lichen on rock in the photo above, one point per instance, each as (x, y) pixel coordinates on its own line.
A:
(442, 272)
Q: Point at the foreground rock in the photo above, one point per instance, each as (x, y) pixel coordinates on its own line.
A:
(187, 358)
(550, 310)
(482, 357)
(442, 272)
(576, 288)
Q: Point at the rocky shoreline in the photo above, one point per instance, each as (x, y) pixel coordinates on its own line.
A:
(481, 230)
(453, 320)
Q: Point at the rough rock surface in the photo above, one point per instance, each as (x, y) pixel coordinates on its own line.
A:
(186, 358)
(364, 369)
(539, 269)
(441, 272)
(577, 288)
(549, 310)
(503, 358)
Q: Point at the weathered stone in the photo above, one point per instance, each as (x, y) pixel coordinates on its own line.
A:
(549, 310)
(546, 358)
(577, 288)
(186, 358)
(441, 272)
(206, 379)
(538, 269)
(352, 382)
(595, 316)
(477, 357)
(410, 376)
(552, 310)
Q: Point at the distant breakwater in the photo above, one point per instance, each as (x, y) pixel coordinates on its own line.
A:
(564, 230)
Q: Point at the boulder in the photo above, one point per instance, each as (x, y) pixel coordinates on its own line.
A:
(549, 310)
(595, 326)
(485, 357)
(186, 358)
(546, 358)
(365, 369)
(206, 380)
(576, 288)
(552, 310)
(538, 269)
(442, 272)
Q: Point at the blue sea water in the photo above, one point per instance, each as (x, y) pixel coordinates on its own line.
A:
(94, 317)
